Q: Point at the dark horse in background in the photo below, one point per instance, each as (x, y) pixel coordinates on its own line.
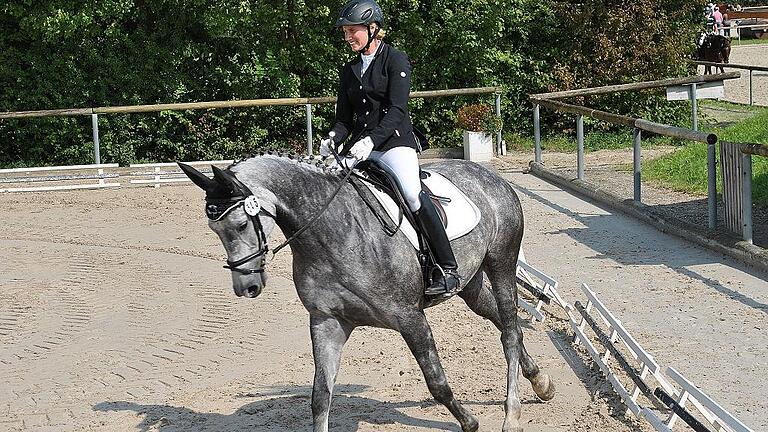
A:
(713, 48)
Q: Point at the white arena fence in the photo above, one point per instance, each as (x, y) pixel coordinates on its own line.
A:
(605, 339)
(98, 176)
(56, 178)
(169, 172)
(661, 407)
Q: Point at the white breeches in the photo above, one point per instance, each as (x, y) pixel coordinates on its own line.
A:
(403, 164)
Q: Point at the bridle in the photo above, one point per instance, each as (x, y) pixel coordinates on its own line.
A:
(253, 209)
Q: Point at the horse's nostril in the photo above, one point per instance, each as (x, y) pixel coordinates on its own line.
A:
(252, 291)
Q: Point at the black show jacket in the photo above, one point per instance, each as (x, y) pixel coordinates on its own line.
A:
(376, 104)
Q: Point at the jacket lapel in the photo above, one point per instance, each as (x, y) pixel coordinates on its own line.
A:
(357, 68)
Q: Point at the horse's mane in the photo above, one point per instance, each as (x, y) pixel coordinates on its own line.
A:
(305, 163)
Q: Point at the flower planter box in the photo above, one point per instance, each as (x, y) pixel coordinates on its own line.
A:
(478, 146)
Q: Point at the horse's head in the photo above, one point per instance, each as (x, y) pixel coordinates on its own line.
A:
(700, 39)
(237, 216)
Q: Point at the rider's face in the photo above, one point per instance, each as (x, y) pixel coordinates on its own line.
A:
(356, 36)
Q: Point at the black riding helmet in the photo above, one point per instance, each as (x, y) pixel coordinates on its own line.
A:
(361, 12)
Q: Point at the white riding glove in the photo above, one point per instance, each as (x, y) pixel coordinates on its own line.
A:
(361, 149)
(325, 144)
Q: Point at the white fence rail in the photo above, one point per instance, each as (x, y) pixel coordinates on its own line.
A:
(160, 173)
(54, 176)
(666, 402)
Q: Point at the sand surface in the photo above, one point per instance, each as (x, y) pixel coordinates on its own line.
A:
(115, 315)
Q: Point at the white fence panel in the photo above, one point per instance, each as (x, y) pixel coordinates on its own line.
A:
(11, 176)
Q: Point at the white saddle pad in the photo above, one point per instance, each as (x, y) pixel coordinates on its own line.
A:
(462, 214)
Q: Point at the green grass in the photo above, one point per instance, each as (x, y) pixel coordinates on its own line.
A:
(735, 42)
(686, 168)
(593, 141)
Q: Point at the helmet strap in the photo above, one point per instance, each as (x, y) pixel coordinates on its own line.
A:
(371, 37)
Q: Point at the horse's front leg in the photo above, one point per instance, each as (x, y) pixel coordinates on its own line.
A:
(328, 338)
(418, 335)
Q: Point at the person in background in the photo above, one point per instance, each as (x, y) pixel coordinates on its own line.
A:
(718, 17)
(372, 111)
(709, 14)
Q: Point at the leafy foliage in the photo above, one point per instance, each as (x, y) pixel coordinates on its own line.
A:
(80, 54)
(478, 118)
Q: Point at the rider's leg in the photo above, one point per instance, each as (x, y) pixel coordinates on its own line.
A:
(403, 164)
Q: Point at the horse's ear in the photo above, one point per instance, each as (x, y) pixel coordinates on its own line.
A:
(197, 177)
(226, 178)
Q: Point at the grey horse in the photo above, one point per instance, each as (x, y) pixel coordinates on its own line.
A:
(348, 272)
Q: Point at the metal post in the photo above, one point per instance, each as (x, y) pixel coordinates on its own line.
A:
(580, 151)
(694, 107)
(95, 125)
(711, 186)
(637, 136)
(536, 133)
(499, 150)
(750, 86)
(309, 129)
(746, 198)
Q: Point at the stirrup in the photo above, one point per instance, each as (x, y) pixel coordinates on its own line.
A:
(448, 283)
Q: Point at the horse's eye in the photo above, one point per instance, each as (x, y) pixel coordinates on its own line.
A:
(242, 226)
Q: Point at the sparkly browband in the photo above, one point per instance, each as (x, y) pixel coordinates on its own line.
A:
(216, 210)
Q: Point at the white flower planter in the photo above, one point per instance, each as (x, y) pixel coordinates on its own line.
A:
(478, 146)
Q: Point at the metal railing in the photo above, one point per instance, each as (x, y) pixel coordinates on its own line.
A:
(640, 125)
(308, 102)
(750, 68)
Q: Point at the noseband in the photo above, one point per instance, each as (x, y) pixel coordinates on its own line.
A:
(218, 209)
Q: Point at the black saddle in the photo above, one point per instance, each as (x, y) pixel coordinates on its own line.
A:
(378, 177)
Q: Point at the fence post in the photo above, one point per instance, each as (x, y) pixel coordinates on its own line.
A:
(637, 136)
(95, 126)
(711, 186)
(580, 151)
(746, 198)
(750, 87)
(500, 151)
(309, 129)
(537, 133)
(694, 106)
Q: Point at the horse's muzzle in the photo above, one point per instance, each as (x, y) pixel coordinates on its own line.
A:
(252, 291)
(249, 286)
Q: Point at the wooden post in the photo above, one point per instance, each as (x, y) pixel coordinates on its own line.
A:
(580, 144)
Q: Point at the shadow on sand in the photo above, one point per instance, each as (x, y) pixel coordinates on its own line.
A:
(280, 409)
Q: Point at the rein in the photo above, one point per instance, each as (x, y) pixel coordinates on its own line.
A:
(322, 210)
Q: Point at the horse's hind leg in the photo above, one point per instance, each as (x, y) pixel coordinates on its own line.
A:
(501, 271)
(328, 337)
(480, 298)
(418, 336)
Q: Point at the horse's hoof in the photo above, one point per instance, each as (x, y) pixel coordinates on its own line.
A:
(471, 426)
(543, 386)
(512, 429)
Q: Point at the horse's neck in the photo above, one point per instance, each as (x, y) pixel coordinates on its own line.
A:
(299, 191)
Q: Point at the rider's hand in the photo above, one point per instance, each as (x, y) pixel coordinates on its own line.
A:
(325, 145)
(362, 149)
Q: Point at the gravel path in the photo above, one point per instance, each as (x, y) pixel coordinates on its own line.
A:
(737, 90)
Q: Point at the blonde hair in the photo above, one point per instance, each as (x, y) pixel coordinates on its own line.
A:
(380, 35)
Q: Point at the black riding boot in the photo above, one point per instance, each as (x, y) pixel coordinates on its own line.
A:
(447, 281)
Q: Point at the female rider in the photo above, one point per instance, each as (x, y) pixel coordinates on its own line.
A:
(372, 110)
